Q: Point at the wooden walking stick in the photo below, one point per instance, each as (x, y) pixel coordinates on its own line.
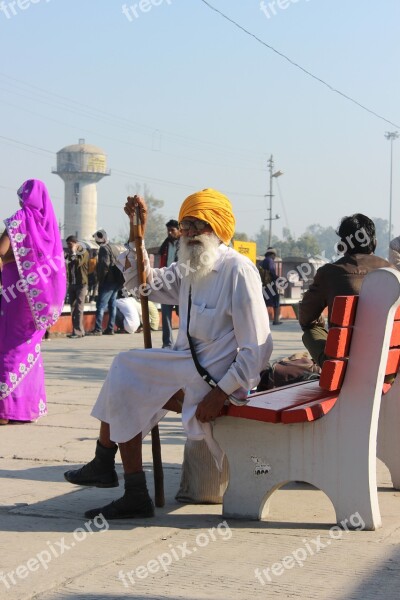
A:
(155, 433)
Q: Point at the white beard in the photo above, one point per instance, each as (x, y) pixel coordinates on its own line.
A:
(200, 256)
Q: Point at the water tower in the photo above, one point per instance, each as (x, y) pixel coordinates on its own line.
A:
(80, 166)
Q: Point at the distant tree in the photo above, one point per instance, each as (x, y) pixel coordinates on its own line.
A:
(261, 239)
(242, 237)
(155, 229)
(308, 245)
(317, 241)
(305, 246)
(326, 238)
(287, 246)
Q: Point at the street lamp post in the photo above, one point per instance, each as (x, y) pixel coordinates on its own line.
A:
(270, 196)
(391, 136)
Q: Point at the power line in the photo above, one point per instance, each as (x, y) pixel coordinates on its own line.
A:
(121, 173)
(129, 143)
(38, 94)
(292, 62)
(175, 183)
(11, 140)
(282, 204)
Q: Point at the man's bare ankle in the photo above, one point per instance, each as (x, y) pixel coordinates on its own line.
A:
(107, 444)
(132, 471)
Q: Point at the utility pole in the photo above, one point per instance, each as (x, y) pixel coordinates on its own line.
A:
(391, 136)
(270, 196)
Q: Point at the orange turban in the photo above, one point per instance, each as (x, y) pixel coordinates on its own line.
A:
(214, 208)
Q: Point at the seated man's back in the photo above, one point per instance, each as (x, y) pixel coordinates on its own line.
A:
(341, 278)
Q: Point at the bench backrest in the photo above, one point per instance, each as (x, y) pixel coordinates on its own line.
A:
(338, 345)
(364, 343)
(353, 378)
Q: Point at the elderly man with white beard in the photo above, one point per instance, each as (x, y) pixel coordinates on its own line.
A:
(222, 316)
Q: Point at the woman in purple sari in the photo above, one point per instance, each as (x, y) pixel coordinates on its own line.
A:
(31, 299)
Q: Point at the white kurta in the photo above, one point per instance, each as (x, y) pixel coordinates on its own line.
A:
(230, 329)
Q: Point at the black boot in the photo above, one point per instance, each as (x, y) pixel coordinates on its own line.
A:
(134, 504)
(100, 472)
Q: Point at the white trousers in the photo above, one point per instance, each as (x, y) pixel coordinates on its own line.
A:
(138, 385)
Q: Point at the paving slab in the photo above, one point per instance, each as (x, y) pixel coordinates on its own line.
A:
(50, 552)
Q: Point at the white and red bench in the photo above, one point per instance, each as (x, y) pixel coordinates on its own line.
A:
(325, 433)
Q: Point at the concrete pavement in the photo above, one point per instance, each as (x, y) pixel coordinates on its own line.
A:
(49, 552)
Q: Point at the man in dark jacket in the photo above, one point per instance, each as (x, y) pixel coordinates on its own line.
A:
(77, 259)
(108, 285)
(168, 254)
(270, 290)
(341, 278)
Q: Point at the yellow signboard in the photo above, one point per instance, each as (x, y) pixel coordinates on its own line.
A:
(249, 249)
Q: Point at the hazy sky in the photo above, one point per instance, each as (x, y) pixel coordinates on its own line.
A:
(180, 99)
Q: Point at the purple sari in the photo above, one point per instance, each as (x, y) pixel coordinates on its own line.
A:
(31, 300)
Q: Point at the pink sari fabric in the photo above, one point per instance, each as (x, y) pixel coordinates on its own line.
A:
(32, 297)
(22, 390)
(38, 252)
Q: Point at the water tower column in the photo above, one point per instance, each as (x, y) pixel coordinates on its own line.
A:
(88, 197)
(80, 211)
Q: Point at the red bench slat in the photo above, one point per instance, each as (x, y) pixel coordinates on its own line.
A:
(393, 362)
(344, 310)
(395, 337)
(386, 387)
(268, 406)
(338, 342)
(310, 411)
(332, 375)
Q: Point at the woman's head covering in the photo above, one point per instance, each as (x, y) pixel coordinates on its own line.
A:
(214, 208)
(38, 251)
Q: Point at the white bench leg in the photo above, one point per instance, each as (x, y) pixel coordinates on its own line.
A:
(389, 432)
(355, 503)
(251, 481)
(345, 465)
